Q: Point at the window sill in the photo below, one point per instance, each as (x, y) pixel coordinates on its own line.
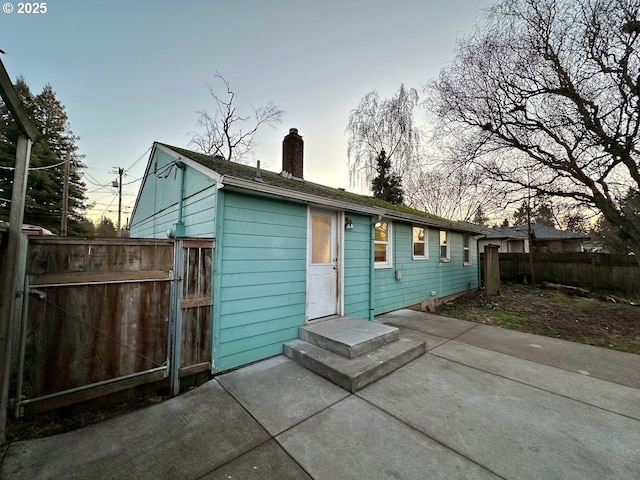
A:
(382, 266)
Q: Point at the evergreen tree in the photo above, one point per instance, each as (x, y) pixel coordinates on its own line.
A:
(576, 222)
(480, 218)
(544, 215)
(106, 228)
(520, 215)
(387, 185)
(43, 203)
(541, 214)
(614, 238)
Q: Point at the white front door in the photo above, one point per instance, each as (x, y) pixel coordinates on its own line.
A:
(322, 269)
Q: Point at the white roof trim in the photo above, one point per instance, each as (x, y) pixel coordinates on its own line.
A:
(193, 164)
(237, 183)
(271, 190)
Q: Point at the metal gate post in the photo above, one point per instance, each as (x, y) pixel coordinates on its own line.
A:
(21, 319)
(175, 318)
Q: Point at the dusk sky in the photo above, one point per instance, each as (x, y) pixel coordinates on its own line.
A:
(133, 72)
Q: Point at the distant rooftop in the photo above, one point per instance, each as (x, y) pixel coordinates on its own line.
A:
(539, 232)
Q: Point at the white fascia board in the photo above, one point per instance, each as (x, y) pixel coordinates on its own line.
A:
(431, 222)
(144, 179)
(193, 164)
(285, 193)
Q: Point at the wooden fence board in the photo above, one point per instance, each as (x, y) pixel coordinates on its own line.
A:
(616, 273)
(70, 278)
(85, 332)
(196, 304)
(103, 321)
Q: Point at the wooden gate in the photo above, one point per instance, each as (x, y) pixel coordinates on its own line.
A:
(192, 354)
(103, 315)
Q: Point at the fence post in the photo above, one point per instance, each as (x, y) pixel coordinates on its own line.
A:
(491, 269)
(174, 350)
(10, 282)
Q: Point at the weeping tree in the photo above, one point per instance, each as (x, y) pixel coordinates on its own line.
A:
(382, 125)
(545, 96)
(224, 131)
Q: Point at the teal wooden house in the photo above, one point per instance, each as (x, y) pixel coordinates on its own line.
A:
(289, 251)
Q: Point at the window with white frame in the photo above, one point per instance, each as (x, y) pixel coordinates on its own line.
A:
(420, 243)
(444, 246)
(382, 245)
(466, 255)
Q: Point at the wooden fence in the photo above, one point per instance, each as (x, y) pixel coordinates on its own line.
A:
(106, 315)
(594, 271)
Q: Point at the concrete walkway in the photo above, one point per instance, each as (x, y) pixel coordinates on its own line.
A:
(483, 402)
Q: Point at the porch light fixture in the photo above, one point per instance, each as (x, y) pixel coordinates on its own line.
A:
(348, 225)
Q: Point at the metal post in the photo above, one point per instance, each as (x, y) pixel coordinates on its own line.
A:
(65, 198)
(120, 172)
(11, 283)
(22, 347)
(175, 321)
(530, 238)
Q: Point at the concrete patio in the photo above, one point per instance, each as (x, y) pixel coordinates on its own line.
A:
(483, 402)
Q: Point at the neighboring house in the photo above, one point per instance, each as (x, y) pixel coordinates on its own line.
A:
(288, 251)
(543, 239)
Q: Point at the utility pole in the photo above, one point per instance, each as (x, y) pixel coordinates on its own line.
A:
(65, 198)
(120, 172)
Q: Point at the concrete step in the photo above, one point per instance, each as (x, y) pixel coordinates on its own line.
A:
(353, 374)
(348, 336)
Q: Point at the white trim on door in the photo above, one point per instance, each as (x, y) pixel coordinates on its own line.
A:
(324, 272)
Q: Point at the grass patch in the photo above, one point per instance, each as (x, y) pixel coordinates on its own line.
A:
(554, 314)
(506, 319)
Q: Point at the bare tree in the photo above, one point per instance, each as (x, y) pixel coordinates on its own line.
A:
(546, 96)
(226, 133)
(447, 190)
(378, 125)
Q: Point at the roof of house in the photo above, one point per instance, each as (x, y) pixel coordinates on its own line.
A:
(539, 232)
(244, 177)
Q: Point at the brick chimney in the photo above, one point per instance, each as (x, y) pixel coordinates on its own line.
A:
(292, 153)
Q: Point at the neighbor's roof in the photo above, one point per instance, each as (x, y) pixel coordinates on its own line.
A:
(542, 232)
(539, 232)
(244, 177)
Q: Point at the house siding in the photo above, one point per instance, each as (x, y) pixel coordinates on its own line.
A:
(158, 203)
(262, 275)
(420, 277)
(357, 266)
(259, 283)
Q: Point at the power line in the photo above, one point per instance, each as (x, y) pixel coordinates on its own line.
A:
(35, 168)
(132, 181)
(108, 206)
(139, 158)
(101, 187)
(94, 182)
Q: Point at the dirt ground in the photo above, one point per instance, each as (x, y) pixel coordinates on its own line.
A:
(70, 418)
(553, 314)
